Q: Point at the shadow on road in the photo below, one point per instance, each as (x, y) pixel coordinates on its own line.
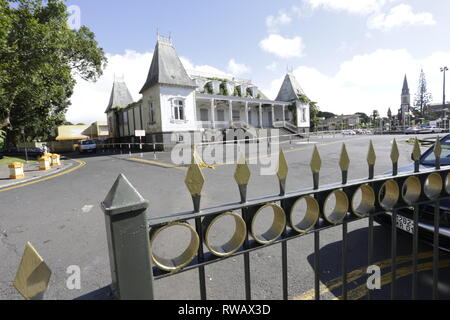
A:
(357, 264)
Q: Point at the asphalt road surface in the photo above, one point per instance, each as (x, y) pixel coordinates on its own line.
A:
(63, 220)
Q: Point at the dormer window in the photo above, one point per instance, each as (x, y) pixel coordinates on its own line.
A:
(178, 109)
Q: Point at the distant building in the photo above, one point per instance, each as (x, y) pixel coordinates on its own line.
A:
(70, 136)
(175, 101)
(96, 131)
(404, 113)
(340, 122)
(438, 108)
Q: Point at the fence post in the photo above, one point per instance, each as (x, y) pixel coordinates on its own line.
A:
(128, 242)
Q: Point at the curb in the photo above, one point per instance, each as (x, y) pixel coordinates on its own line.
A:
(53, 172)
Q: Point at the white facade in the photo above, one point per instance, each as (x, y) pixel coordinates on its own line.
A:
(174, 101)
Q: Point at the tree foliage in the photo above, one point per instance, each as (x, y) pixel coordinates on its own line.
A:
(364, 117)
(39, 57)
(423, 97)
(314, 115)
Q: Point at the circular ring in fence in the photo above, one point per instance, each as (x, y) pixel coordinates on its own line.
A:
(433, 186)
(389, 195)
(275, 230)
(367, 202)
(411, 190)
(336, 213)
(236, 241)
(182, 260)
(447, 184)
(311, 214)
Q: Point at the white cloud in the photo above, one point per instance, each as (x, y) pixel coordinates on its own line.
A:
(272, 67)
(283, 47)
(368, 82)
(237, 68)
(201, 69)
(281, 19)
(398, 16)
(89, 100)
(351, 6)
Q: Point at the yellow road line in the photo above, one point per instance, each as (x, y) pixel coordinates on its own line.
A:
(356, 274)
(156, 163)
(80, 165)
(386, 279)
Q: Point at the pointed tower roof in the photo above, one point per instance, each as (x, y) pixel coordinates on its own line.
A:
(120, 95)
(166, 67)
(290, 89)
(405, 90)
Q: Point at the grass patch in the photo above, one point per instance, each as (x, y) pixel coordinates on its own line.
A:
(6, 161)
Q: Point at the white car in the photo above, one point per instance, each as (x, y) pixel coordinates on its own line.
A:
(436, 129)
(349, 132)
(88, 146)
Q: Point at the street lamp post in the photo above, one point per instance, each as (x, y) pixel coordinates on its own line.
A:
(443, 70)
(25, 144)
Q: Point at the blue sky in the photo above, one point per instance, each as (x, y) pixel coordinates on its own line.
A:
(349, 55)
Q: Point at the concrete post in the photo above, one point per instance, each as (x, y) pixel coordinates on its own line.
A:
(230, 105)
(246, 114)
(213, 114)
(261, 116)
(273, 114)
(128, 242)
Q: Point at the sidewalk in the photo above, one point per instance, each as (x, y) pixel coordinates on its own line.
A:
(31, 173)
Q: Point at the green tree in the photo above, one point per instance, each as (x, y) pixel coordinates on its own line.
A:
(314, 115)
(39, 56)
(364, 117)
(423, 97)
(326, 115)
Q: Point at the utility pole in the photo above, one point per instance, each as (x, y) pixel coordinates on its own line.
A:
(443, 70)
(25, 144)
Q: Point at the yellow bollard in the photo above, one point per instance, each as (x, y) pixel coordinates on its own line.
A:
(56, 160)
(44, 163)
(16, 170)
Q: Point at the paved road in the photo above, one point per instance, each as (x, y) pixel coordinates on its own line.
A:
(63, 220)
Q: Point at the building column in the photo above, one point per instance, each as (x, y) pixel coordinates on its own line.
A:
(261, 116)
(284, 114)
(246, 114)
(273, 114)
(213, 114)
(230, 103)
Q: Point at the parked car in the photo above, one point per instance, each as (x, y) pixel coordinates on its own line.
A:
(20, 152)
(412, 130)
(426, 212)
(89, 146)
(434, 129)
(349, 132)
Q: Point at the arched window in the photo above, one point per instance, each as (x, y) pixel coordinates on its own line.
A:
(178, 109)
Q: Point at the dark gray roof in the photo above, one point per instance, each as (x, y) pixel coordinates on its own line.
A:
(290, 90)
(166, 68)
(405, 90)
(120, 96)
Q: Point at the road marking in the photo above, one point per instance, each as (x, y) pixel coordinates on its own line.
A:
(87, 208)
(357, 274)
(386, 279)
(159, 164)
(80, 165)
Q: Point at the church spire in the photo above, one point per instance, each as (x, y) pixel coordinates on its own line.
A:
(405, 90)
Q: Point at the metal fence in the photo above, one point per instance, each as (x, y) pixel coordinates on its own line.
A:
(131, 234)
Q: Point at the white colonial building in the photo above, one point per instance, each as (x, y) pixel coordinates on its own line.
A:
(175, 101)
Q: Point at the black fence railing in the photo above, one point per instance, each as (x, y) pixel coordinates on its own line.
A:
(135, 265)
